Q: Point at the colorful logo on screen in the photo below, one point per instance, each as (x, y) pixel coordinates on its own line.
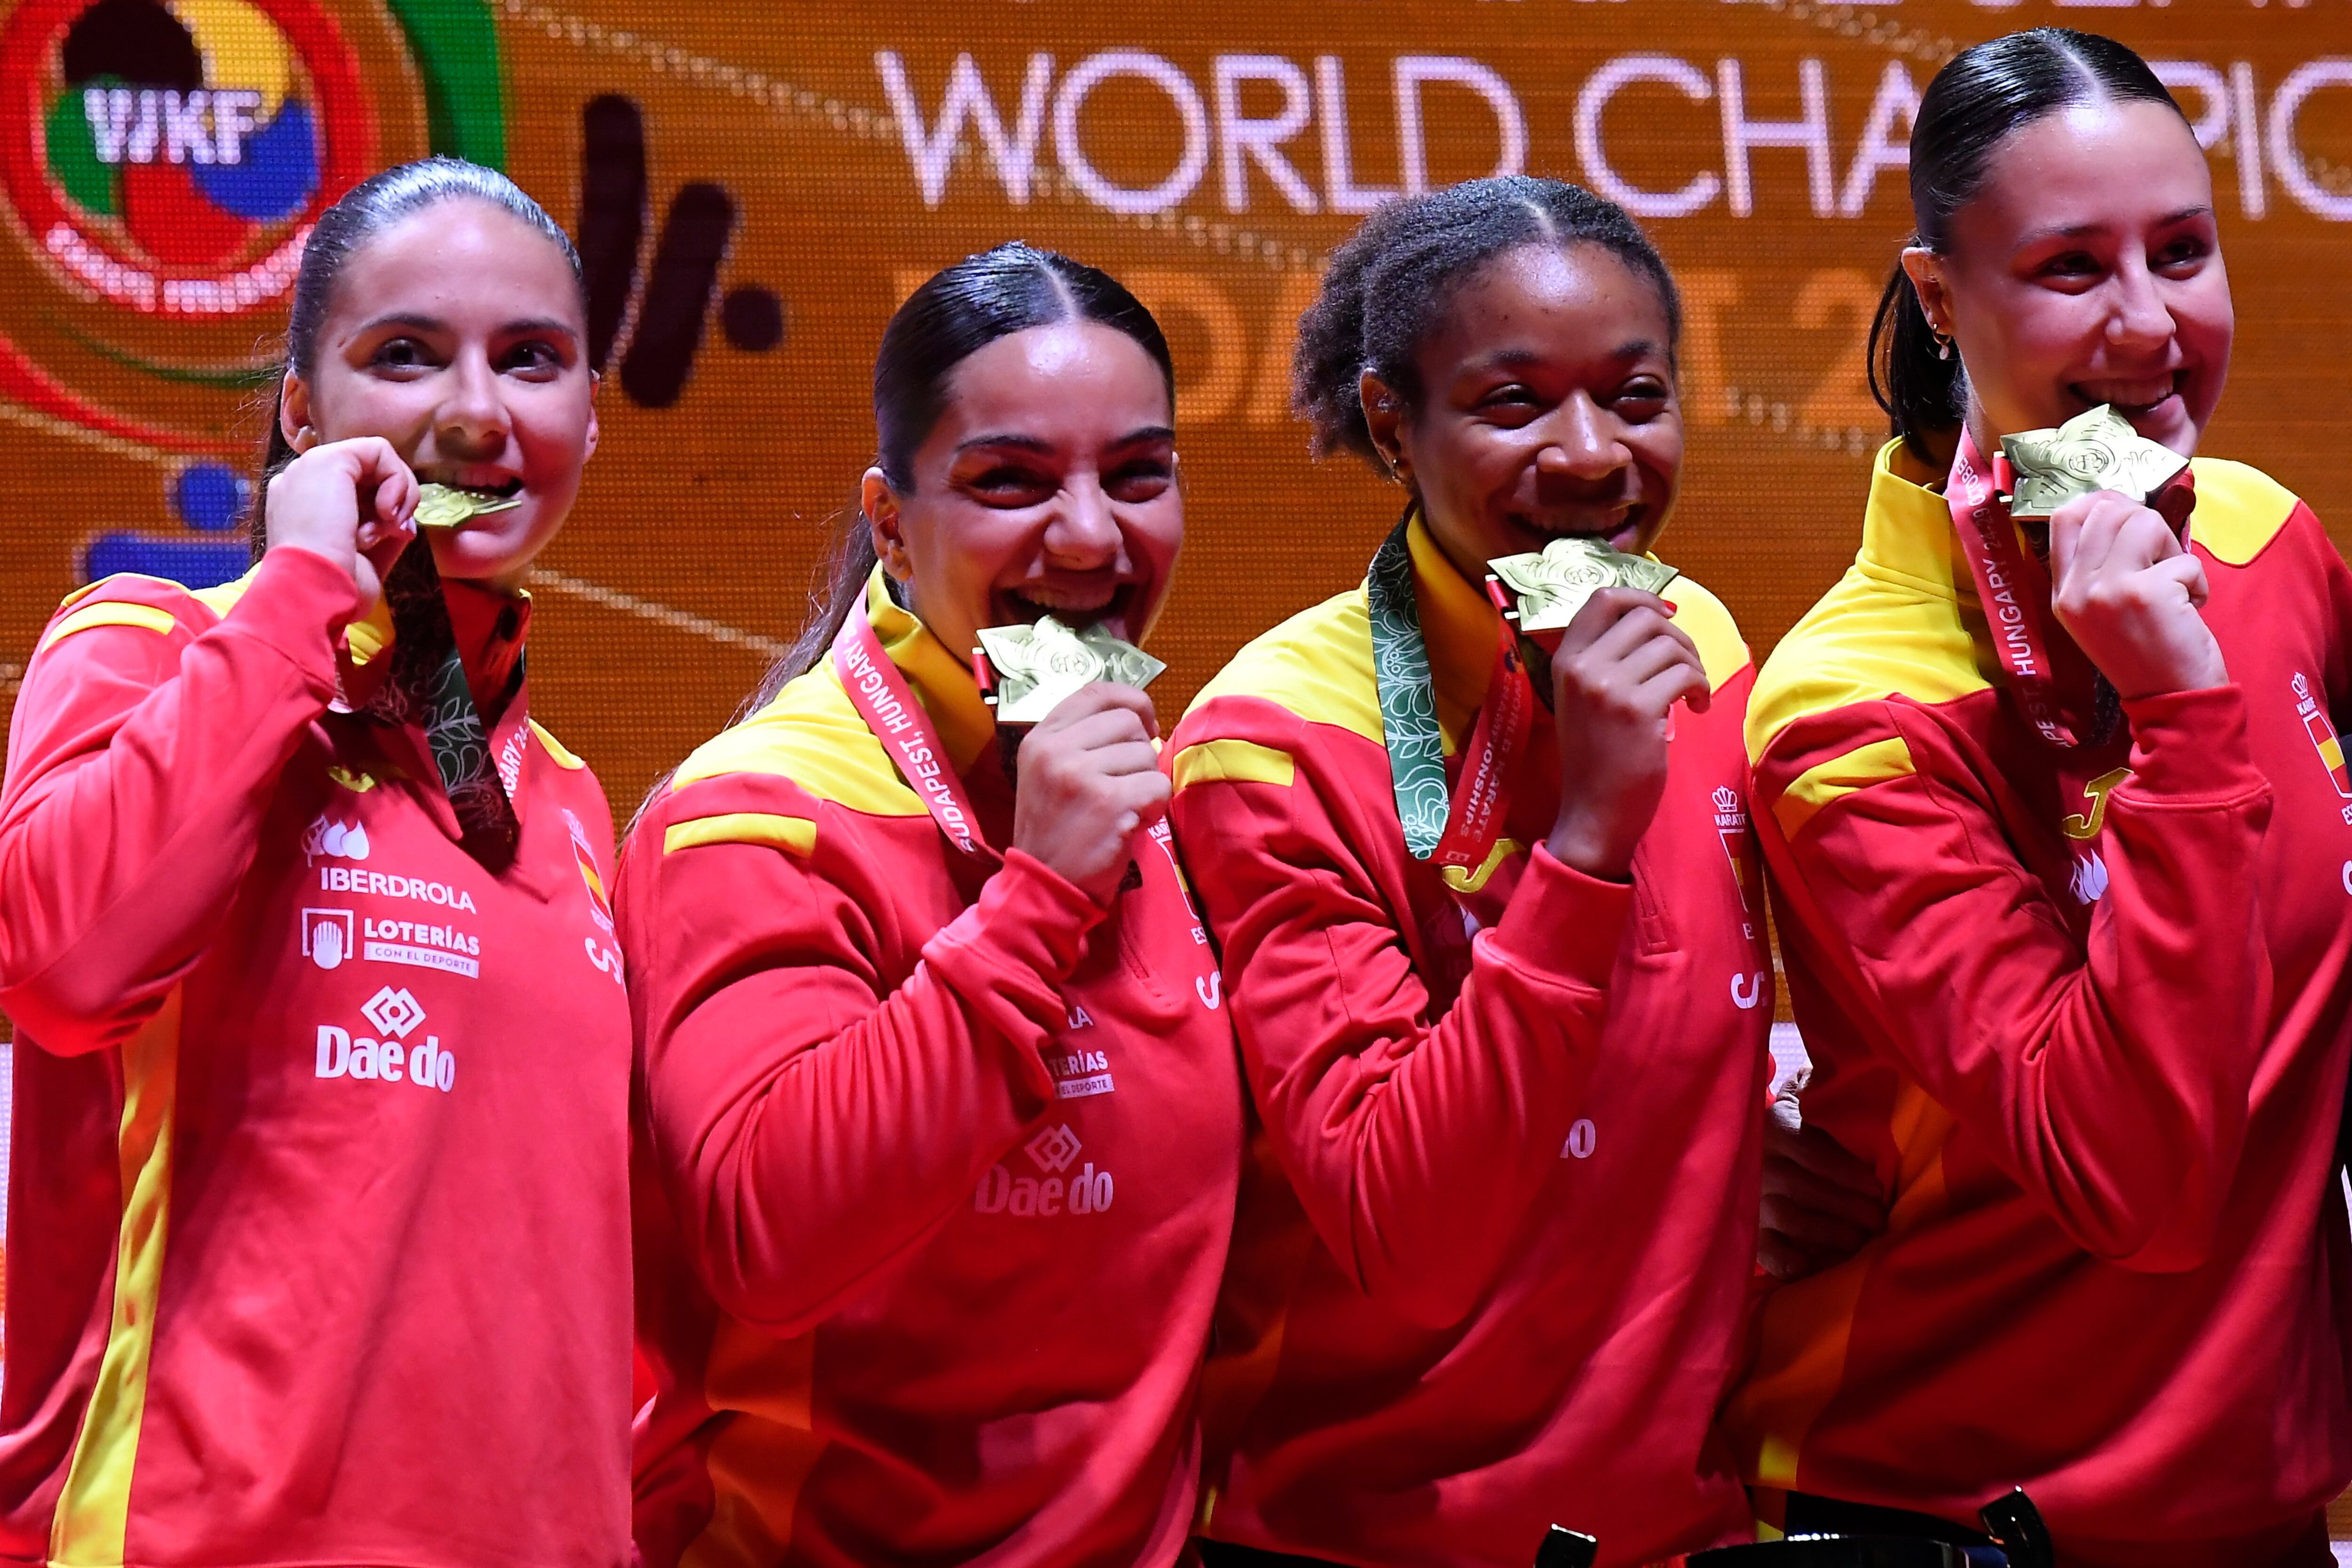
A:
(169, 155)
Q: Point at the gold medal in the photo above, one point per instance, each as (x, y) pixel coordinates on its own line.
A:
(1037, 666)
(2095, 451)
(446, 506)
(1550, 587)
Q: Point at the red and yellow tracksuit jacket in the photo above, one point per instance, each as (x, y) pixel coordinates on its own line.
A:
(1499, 1222)
(2087, 1012)
(317, 1183)
(940, 1165)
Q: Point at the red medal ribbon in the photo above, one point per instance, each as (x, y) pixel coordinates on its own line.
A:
(883, 698)
(2013, 587)
(1482, 796)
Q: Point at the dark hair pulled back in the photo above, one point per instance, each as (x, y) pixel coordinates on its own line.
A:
(364, 211)
(958, 311)
(1390, 283)
(1983, 95)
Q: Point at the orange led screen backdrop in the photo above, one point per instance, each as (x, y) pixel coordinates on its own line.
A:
(755, 188)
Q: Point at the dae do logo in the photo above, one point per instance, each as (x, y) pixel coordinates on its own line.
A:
(161, 162)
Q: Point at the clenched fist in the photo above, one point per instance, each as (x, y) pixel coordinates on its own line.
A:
(1088, 781)
(1620, 666)
(2128, 595)
(354, 502)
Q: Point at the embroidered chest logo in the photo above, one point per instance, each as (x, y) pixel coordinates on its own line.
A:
(327, 838)
(599, 909)
(2323, 740)
(1053, 1151)
(1747, 991)
(1731, 827)
(394, 1014)
(1077, 1070)
(2089, 878)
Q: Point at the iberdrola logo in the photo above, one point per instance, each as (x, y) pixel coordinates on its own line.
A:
(161, 162)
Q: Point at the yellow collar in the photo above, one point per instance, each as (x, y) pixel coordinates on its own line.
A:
(1457, 623)
(1906, 530)
(943, 683)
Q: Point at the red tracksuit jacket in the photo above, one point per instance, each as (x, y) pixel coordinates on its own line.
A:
(317, 1227)
(2087, 1013)
(939, 1165)
(1492, 1254)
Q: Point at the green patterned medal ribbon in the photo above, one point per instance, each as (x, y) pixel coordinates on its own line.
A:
(1408, 696)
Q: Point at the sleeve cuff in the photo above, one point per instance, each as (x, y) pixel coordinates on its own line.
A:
(299, 602)
(1562, 923)
(1009, 954)
(1035, 917)
(2191, 747)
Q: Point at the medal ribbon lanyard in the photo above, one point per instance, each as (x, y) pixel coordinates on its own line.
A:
(2012, 587)
(883, 698)
(426, 685)
(1460, 831)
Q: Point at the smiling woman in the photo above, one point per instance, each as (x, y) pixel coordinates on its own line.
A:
(1492, 938)
(342, 1224)
(2053, 808)
(941, 1119)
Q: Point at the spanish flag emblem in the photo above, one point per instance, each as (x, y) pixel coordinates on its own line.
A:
(2323, 738)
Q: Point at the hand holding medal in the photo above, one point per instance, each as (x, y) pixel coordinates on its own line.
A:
(2123, 583)
(1087, 777)
(1614, 667)
(352, 501)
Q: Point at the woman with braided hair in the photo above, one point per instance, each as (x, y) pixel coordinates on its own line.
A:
(1491, 936)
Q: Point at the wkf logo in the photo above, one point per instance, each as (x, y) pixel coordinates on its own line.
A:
(161, 163)
(171, 155)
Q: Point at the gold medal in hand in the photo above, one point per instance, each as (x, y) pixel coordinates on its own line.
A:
(1547, 589)
(2095, 451)
(1036, 667)
(446, 506)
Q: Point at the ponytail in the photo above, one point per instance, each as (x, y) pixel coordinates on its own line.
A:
(1920, 389)
(276, 452)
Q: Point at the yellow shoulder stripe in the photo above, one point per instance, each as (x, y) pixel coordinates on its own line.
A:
(1839, 776)
(2238, 509)
(1239, 762)
(1318, 664)
(1872, 637)
(1705, 619)
(555, 748)
(796, 833)
(811, 735)
(110, 613)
